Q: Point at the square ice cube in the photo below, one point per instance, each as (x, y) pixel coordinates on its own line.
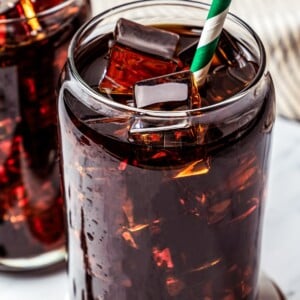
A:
(127, 66)
(174, 91)
(138, 52)
(146, 39)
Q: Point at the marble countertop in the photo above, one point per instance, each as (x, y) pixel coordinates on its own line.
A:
(281, 238)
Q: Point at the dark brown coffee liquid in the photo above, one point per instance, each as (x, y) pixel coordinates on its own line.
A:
(167, 215)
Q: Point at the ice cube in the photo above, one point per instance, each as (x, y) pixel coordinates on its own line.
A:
(175, 91)
(187, 48)
(227, 50)
(231, 70)
(223, 82)
(172, 133)
(172, 92)
(138, 52)
(127, 66)
(240, 67)
(245, 71)
(146, 39)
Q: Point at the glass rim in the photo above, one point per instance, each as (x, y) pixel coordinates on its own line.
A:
(152, 113)
(44, 13)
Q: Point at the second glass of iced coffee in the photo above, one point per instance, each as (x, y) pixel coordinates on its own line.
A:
(34, 37)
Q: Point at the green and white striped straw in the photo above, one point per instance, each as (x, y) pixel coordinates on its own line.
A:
(209, 39)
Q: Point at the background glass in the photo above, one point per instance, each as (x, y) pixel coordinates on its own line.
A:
(33, 50)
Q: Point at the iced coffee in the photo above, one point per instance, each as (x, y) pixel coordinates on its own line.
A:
(34, 37)
(165, 181)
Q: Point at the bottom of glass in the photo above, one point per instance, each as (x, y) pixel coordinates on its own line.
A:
(34, 263)
(269, 290)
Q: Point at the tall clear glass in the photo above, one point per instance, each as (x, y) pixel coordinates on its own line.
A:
(160, 204)
(34, 36)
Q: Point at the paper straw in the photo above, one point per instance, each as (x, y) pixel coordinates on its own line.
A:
(209, 39)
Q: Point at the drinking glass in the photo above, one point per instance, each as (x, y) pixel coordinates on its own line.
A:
(34, 36)
(163, 204)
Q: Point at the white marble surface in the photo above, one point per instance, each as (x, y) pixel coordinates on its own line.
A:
(281, 239)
